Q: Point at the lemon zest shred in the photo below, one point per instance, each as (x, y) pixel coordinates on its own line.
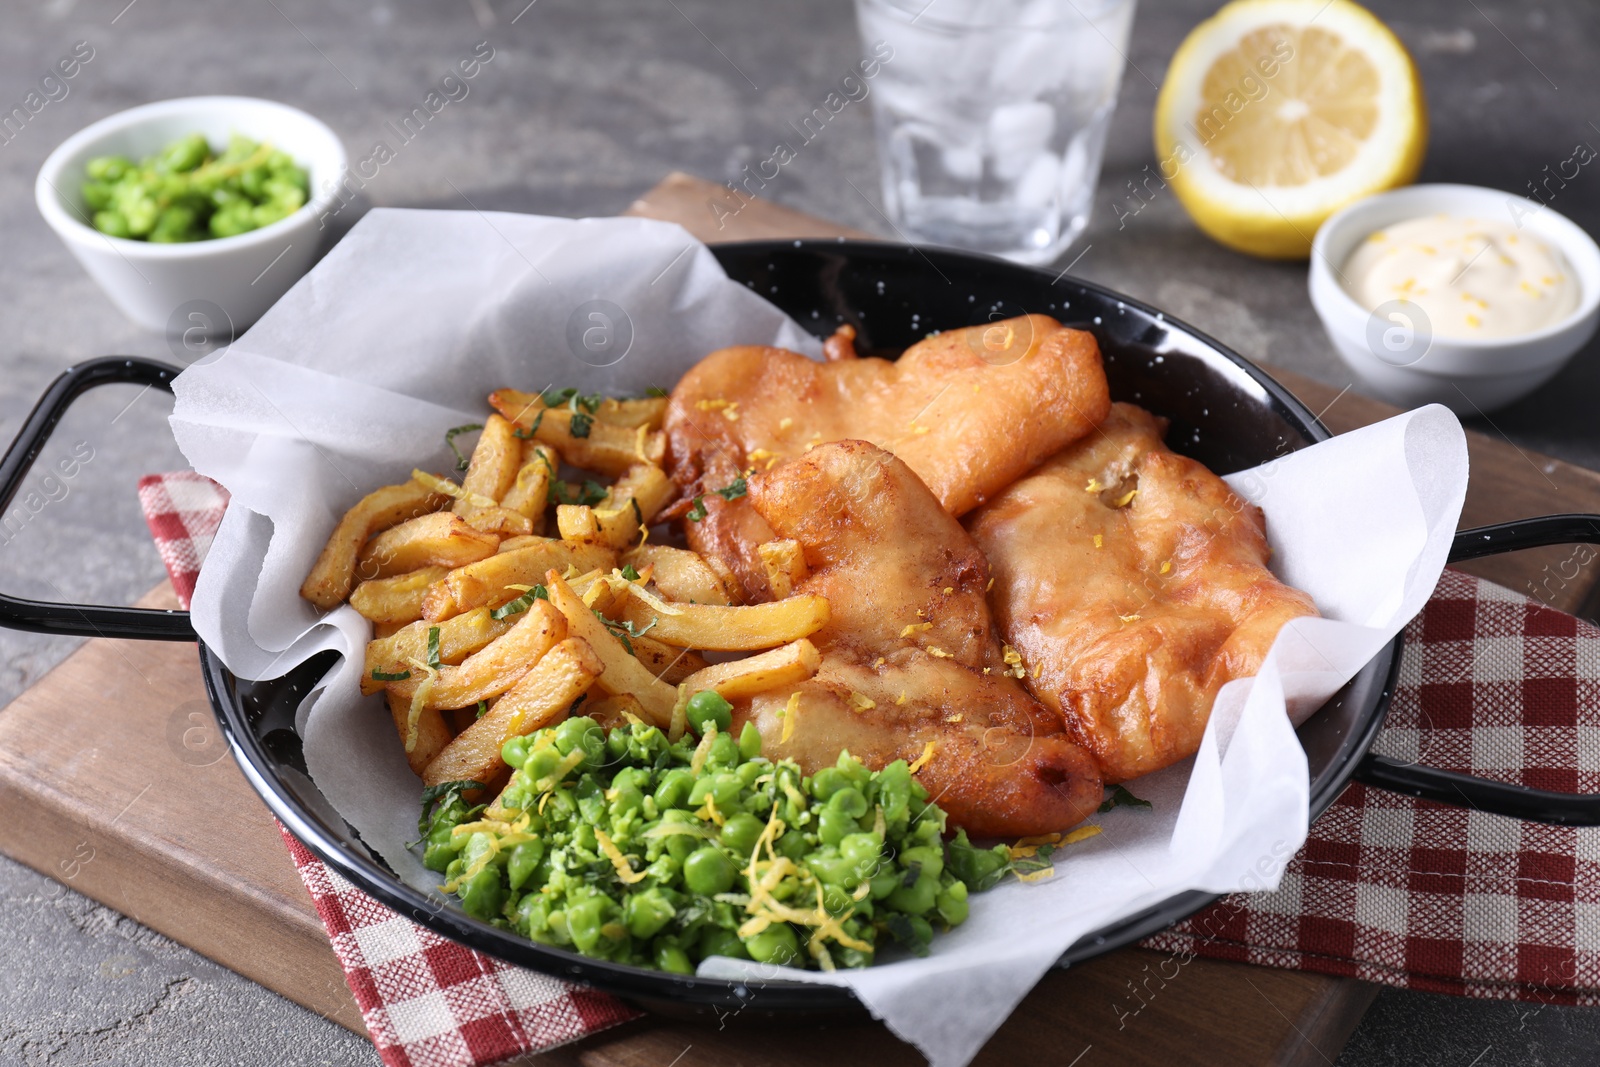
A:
(449, 488)
(1099, 542)
(419, 700)
(914, 628)
(1166, 566)
(902, 699)
(862, 702)
(625, 872)
(1127, 498)
(1082, 833)
(921, 761)
(938, 653)
(702, 750)
(1094, 486)
(789, 711)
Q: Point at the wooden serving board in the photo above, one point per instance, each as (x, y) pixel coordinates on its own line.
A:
(114, 780)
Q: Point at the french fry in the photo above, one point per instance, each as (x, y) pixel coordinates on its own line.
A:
(649, 412)
(530, 493)
(671, 665)
(785, 565)
(623, 673)
(681, 575)
(725, 576)
(492, 471)
(497, 666)
(632, 502)
(490, 582)
(387, 629)
(432, 733)
(397, 599)
(511, 544)
(459, 638)
(613, 710)
(598, 446)
(442, 539)
(502, 522)
(787, 665)
(334, 573)
(727, 629)
(539, 699)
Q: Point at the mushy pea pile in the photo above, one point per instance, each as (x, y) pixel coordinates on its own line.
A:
(627, 847)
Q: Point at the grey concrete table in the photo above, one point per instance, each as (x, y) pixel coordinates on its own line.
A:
(583, 106)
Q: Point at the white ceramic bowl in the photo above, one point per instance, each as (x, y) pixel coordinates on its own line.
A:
(218, 286)
(1468, 375)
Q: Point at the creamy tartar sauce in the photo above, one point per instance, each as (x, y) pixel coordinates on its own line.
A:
(1470, 277)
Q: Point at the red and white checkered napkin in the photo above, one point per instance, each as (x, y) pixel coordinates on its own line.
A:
(1412, 893)
(426, 1001)
(1387, 888)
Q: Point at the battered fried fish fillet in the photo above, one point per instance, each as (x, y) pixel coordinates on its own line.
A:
(968, 410)
(1135, 583)
(905, 650)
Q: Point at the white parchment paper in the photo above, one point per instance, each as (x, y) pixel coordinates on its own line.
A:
(352, 378)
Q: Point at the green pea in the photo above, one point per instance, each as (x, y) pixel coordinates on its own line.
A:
(112, 223)
(707, 706)
(541, 762)
(524, 862)
(708, 871)
(717, 941)
(930, 858)
(850, 801)
(833, 826)
(827, 782)
(588, 920)
(776, 944)
(724, 787)
(483, 894)
(952, 903)
(833, 869)
(515, 751)
(674, 959)
(917, 898)
(108, 168)
(647, 912)
(794, 845)
(177, 223)
(185, 154)
(749, 741)
(741, 832)
(673, 792)
(862, 851)
(724, 752)
(583, 733)
(885, 883)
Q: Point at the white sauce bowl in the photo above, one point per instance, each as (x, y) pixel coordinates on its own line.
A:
(229, 281)
(1410, 366)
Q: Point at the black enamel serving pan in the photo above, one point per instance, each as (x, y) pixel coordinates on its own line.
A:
(1225, 412)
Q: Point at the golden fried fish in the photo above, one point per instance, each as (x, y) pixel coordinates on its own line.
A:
(968, 410)
(910, 665)
(1134, 583)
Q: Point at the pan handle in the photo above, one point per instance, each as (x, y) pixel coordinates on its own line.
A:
(82, 620)
(1464, 790)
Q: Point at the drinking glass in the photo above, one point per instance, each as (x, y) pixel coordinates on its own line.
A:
(991, 116)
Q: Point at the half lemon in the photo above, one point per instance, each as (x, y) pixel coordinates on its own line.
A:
(1277, 113)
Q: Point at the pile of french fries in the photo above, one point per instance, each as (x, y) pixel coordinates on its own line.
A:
(486, 626)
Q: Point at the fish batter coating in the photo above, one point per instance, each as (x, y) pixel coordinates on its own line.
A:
(910, 668)
(1134, 583)
(968, 410)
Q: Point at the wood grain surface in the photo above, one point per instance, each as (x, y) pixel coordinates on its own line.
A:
(114, 781)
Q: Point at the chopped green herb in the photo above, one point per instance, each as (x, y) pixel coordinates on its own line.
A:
(656, 391)
(433, 648)
(444, 794)
(483, 708)
(734, 489)
(450, 435)
(625, 629)
(580, 424)
(521, 604)
(554, 398)
(538, 420)
(1121, 798)
(385, 676)
(591, 493)
(589, 402)
(698, 511)
(629, 573)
